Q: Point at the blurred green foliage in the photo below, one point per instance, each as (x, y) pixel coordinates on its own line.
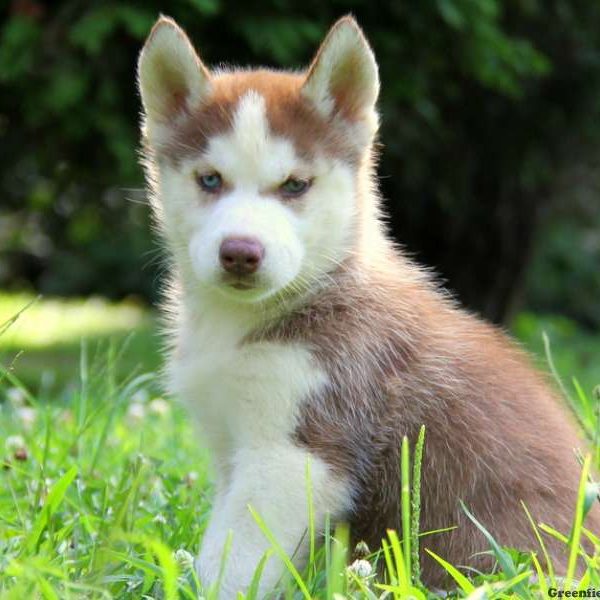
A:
(484, 103)
(565, 270)
(573, 349)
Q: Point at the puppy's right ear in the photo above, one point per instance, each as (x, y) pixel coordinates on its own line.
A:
(171, 77)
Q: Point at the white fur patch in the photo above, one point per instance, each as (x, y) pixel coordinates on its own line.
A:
(246, 400)
(244, 392)
(272, 480)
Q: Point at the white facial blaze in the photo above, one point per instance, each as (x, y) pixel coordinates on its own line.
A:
(250, 155)
(251, 162)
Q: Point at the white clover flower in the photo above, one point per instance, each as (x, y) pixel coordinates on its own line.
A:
(14, 442)
(160, 519)
(159, 407)
(361, 550)
(190, 478)
(184, 559)
(361, 568)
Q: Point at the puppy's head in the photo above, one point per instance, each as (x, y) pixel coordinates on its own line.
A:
(254, 172)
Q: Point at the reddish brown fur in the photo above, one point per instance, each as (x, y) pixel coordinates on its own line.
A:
(399, 355)
(289, 115)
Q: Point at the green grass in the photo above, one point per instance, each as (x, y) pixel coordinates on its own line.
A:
(105, 493)
(43, 345)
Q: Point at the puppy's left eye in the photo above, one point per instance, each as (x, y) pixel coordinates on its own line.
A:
(293, 187)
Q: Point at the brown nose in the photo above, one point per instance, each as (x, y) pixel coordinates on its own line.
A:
(241, 256)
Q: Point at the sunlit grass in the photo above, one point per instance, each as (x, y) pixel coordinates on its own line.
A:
(51, 321)
(42, 344)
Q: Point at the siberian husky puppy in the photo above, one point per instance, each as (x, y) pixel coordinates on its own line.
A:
(302, 335)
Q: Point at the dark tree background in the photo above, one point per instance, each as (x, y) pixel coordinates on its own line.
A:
(490, 138)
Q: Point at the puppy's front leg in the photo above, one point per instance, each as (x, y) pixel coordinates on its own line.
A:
(273, 480)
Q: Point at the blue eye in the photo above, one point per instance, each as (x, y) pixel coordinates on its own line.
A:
(211, 183)
(292, 187)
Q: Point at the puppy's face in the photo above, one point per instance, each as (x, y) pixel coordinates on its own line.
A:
(254, 172)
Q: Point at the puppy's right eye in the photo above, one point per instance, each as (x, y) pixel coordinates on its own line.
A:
(211, 182)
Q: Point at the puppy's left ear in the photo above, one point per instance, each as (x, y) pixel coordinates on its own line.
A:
(343, 76)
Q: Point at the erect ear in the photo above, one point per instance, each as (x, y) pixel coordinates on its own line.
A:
(171, 77)
(343, 75)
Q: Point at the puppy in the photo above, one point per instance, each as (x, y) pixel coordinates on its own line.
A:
(301, 334)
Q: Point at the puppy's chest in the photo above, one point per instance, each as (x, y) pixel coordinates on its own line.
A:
(246, 391)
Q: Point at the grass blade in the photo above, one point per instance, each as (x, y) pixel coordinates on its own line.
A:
(168, 566)
(253, 589)
(536, 531)
(55, 497)
(405, 502)
(415, 524)
(311, 514)
(575, 536)
(336, 576)
(504, 559)
(541, 576)
(463, 582)
(280, 552)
